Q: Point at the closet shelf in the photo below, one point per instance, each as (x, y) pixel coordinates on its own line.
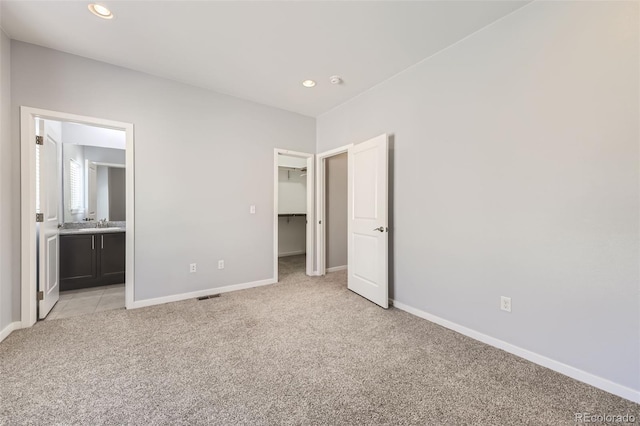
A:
(291, 214)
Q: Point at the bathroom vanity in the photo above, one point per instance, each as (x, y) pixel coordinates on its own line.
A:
(91, 257)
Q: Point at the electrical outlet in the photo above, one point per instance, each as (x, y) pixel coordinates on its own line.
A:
(220, 264)
(505, 303)
(193, 268)
(252, 209)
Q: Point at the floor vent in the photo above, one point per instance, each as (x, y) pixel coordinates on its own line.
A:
(211, 296)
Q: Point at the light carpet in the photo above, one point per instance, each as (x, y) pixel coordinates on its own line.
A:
(303, 351)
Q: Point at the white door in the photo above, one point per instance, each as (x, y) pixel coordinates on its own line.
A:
(92, 190)
(309, 218)
(49, 195)
(368, 216)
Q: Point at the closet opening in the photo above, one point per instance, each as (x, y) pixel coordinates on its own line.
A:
(336, 215)
(293, 214)
(332, 194)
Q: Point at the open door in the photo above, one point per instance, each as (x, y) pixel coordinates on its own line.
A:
(48, 156)
(368, 220)
(309, 218)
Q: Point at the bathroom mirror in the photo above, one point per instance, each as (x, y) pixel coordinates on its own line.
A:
(93, 183)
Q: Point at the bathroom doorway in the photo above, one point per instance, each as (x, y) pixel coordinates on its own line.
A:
(81, 241)
(91, 195)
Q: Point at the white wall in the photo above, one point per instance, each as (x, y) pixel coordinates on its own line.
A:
(292, 235)
(192, 205)
(336, 210)
(515, 172)
(292, 191)
(9, 212)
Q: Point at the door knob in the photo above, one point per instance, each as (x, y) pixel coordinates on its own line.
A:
(381, 229)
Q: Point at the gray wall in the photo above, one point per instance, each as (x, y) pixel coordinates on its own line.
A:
(9, 212)
(336, 210)
(192, 201)
(117, 194)
(515, 170)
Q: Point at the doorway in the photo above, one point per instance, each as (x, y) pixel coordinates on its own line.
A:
(331, 210)
(67, 203)
(336, 212)
(293, 214)
(91, 201)
(367, 217)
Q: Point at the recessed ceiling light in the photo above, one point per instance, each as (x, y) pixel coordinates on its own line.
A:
(335, 79)
(308, 83)
(100, 10)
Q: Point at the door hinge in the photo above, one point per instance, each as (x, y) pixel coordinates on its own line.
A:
(39, 217)
(39, 140)
(40, 295)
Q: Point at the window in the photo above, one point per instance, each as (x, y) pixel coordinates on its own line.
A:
(75, 191)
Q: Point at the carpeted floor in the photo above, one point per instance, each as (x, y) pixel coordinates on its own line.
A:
(304, 351)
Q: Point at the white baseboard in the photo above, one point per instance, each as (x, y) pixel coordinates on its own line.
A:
(291, 253)
(337, 268)
(9, 329)
(567, 370)
(200, 293)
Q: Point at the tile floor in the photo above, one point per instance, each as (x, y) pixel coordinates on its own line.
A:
(87, 301)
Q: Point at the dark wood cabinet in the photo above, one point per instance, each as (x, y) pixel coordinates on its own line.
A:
(78, 263)
(112, 256)
(91, 260)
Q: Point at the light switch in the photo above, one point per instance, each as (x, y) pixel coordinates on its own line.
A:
(252, 209)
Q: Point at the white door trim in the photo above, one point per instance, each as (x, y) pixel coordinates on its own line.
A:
(321, 232)
(28, 284)
(310, 203)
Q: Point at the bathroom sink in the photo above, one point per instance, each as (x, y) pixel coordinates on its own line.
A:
(90, 230)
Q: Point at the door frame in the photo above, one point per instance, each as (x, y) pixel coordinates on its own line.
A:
(310, 202)
(321, 230)
(28, 284)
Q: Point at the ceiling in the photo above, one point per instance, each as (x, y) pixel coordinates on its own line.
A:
(260, 51)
